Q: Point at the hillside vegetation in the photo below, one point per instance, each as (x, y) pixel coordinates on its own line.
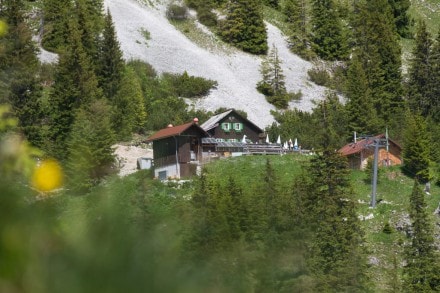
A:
(267, 224)
(140, 234)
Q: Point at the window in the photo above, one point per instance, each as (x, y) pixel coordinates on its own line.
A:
(219, 140)
(238, 127)
(226, 127)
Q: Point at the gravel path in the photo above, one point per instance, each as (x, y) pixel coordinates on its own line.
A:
(237, 73)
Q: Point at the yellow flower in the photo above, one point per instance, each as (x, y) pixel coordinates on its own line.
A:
(47, 176)
(3, 28)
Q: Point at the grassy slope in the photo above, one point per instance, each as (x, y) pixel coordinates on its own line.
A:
(393, 192)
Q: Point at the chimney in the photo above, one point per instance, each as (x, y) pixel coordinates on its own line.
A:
(355, 139)
(170, 125)
(196, 120)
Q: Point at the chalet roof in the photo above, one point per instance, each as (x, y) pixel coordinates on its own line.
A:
(214, 120)
(174, 131)
(354, 148)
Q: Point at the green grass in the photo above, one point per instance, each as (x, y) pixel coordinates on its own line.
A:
(393, 193)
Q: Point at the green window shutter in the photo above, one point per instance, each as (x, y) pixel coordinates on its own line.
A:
(226, 127)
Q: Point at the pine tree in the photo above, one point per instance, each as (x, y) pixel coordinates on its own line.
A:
(244, 26)
(57, 15)
(297, 18)
(89, 14)
(75, 86)
(361, 113)
(377, 40)
(328, 38)
(416, 149)
(402, 19)
(420, 71)
(336, 259)
(435, 79)
(89, 146)
(111, 63)
(421, 273)
(129, 114)
(18, 72)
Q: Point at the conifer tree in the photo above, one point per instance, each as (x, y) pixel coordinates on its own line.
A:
(416, 149)
(336, 259)
(328, 40)
(75, 86)
(19, 85)
(377, 40)
(90, 19)
(111, 62)
(244, 26)
(361, 113)
(420, 70)
(435, 79)
(89, 146)
(129, 113)
(297, 18)
(56, 15)
(402, 19)
(422, 271)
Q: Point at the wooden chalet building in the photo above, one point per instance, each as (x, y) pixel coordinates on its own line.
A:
(230, 126)
(177, 150)
(358, 153)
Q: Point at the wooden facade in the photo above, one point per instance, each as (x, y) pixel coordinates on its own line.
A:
(177, 150)
(360, 152)
(230, 126)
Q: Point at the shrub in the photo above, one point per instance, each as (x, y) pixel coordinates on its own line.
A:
(177, 12)
(188, 86)
(207, 17)
(320, 76)
(387, 228)
(265, 88)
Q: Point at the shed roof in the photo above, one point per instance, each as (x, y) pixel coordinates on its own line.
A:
(357, 147)
(175, 131)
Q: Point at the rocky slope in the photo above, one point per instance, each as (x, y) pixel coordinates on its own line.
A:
(169, 50)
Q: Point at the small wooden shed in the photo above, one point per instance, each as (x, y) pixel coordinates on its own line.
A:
(177, 150)
(358, 153)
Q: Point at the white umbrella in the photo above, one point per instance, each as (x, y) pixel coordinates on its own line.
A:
(267, 138)
(279, 140)
(285, 145)
(295, 145)
(244, 139)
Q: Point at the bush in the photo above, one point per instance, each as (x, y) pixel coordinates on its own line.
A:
(265, 88)
(320, 76)
(177, 12)
(207, 17)
(188, 86)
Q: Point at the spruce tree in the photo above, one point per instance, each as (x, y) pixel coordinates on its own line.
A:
(402, 19)
(376, 38)
(328, 40)
(75, 86)
(89, 146)
(337, 260)
(435, 79)
(416, 149)
(111, 63)
(19, 85)
(244, 27)
(420, 73)
(361, 113)
(422, 271)
(129, 114)
(57, 15)
(297, 19)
